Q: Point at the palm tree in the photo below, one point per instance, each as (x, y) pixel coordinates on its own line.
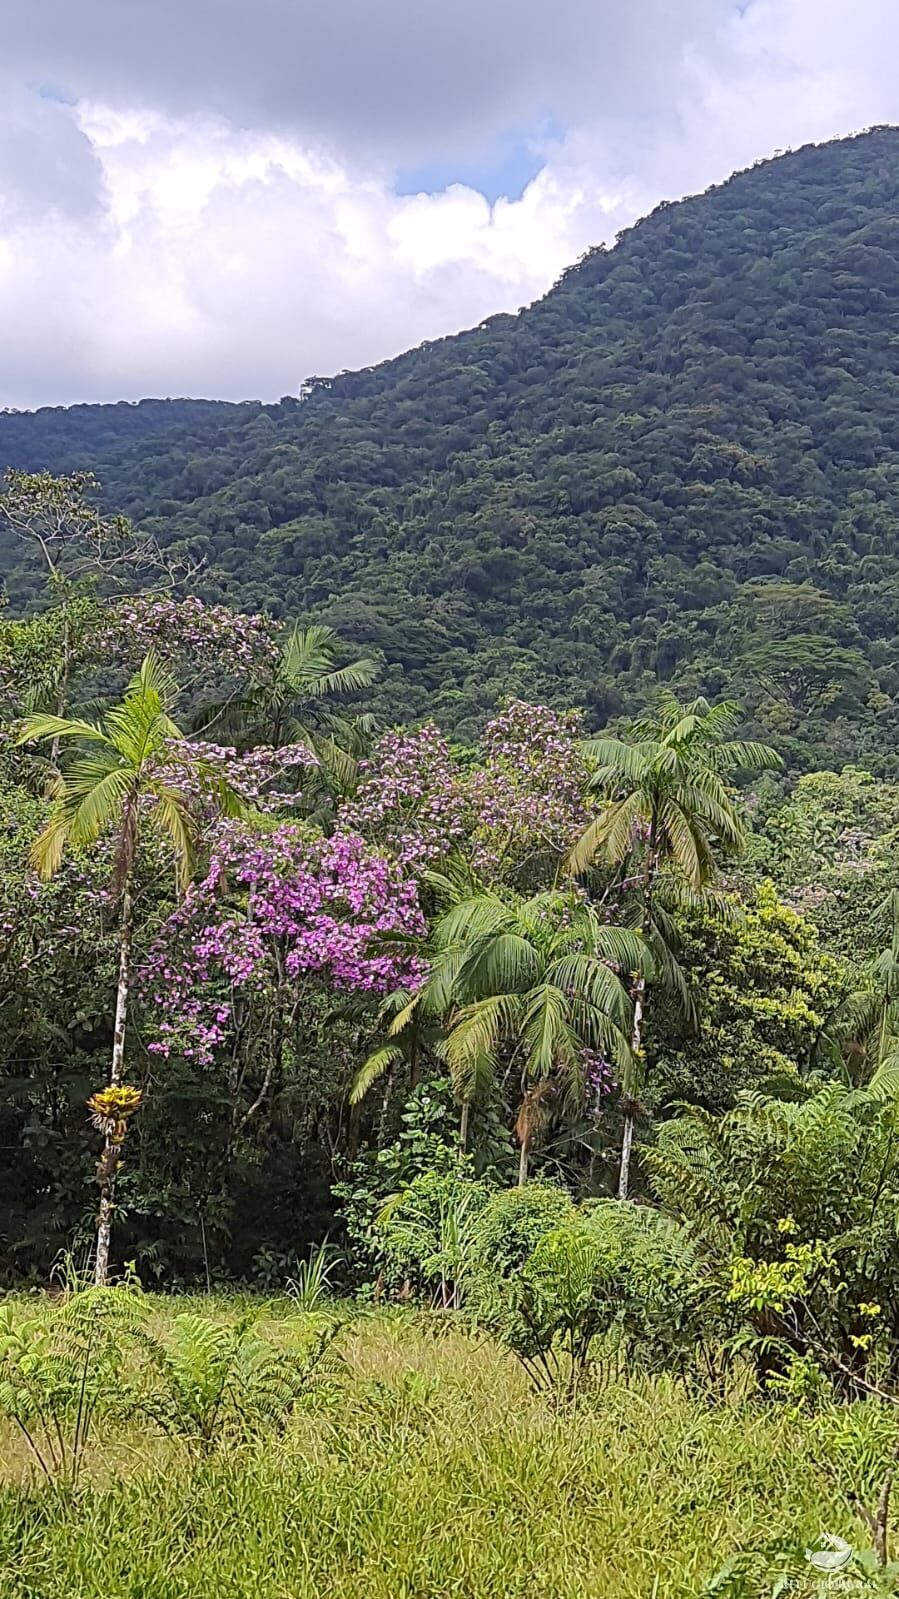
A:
(286, 705)
(863, 1032)
(669, 808)
(116, 782)
(410, 1030)
(538, 981)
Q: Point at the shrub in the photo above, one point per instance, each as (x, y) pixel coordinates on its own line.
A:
(512, 1224)
(204, 1380)
(426, 1233)
(560, 1277)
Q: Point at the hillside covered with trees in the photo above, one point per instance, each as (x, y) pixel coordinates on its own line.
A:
(482, 1063)
(681, 466)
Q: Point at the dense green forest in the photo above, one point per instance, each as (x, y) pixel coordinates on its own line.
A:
(680, 466)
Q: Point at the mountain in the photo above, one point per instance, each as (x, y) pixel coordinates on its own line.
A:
(681, 465)
(76, 435)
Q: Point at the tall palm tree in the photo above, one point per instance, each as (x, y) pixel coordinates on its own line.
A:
(116, 782)
(669, 810)
(287, 704)
(537, 982)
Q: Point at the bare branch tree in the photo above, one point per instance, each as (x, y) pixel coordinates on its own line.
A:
(59, 519)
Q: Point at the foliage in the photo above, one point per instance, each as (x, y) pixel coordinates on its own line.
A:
(795, 1206)
(425, 1147)
(828, 846)
(667, 791)
(579, 1286)
(60, 1373)
(312, 1283)
(764, 994)
(205, 1381)
(510, 1227)
(426, 1233)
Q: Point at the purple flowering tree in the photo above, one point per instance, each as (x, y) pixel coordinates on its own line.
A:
(512, 815)
(278, 915)
(186, 631)
(410, 799)
(527, 793)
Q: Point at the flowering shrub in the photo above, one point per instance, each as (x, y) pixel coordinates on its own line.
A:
(410, 799)
(251, 776)
(272, 909)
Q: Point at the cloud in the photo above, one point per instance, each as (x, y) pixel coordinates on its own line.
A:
(393, 79)
(206, 200)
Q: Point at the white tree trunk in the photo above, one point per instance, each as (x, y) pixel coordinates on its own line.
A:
(463, 1127)
(627, 1139)
(523, 1163)
(109, 1160)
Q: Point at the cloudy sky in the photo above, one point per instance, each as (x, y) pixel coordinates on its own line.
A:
(222, 197)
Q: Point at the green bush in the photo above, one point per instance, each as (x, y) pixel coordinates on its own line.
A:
(551, 1280)
(426, 1234)
(511, 1225)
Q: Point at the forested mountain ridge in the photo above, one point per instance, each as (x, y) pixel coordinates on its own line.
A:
(76, 435)
(681, 465)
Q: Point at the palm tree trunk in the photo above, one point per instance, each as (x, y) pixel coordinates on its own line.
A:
(638, 995)
(109, 1160)
(463, 1126)
(627, 1137)
(523, 1160)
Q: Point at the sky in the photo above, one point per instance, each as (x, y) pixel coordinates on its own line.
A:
(224, 197)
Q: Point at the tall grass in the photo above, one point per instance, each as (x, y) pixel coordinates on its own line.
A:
(427, 1468)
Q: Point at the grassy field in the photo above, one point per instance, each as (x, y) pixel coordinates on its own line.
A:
(422, 1465)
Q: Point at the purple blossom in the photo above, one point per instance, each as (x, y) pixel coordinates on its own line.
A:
(283, 904)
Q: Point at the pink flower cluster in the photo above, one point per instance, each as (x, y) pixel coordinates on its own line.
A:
(525, 795)
(186, 629)
(528, 791)
(257, 777)
(599, 1076)
(410, 799)
(273, 908)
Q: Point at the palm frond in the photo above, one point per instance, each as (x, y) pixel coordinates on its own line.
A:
(545, 1031)
(476, 1030)
(175, 821)
(379, 1062)
(610, 835)
(506, 962)
(38, 728)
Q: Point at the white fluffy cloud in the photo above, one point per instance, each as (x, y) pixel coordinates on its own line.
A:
(201, 198)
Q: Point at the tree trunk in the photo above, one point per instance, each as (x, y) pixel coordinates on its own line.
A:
(638, 995)
(627, 1137)
(62, 690)
(463, 1127)
(109, 1161)
(523, 1161)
